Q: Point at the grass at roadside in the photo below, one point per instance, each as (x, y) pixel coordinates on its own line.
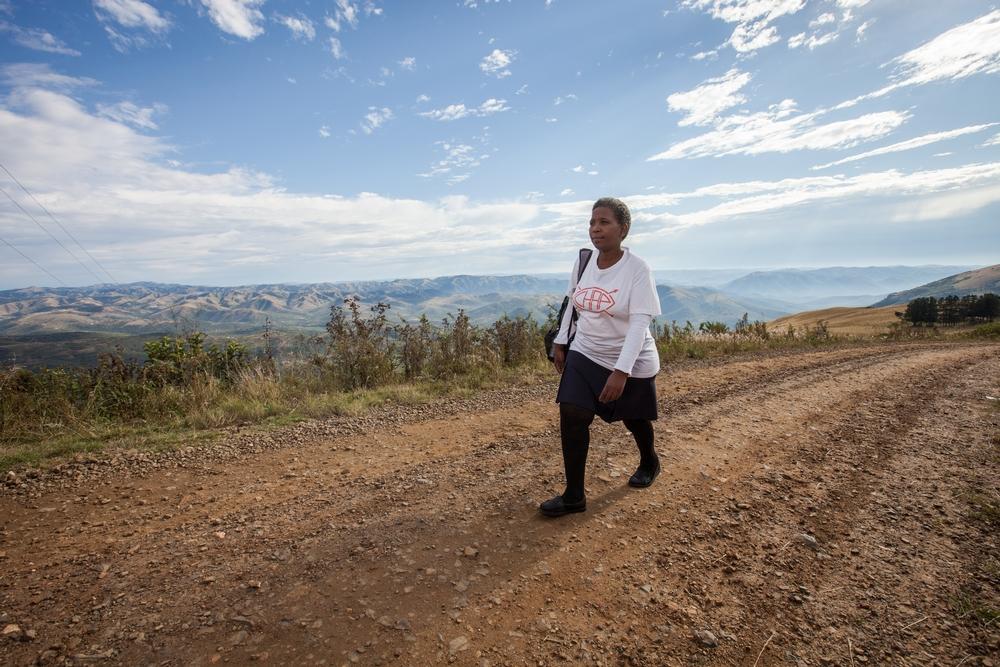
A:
(185, 393)
(256, 400)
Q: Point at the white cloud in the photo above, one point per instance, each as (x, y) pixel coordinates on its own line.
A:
(20, 75)
(910, 144)
(497, 63)
(748, 38)
(301, 27)
(568, 192)
(324, 131)
(852, 4)
(37, 39)
(551, 120)
(346, 13)
(375, 118)
(966, 50)
(336, 48)
(457, 158)
(577, 169)
(706, 55)
(408, 63)
(781, 130)
(822, 19)
(565, 98)
(862, 29)
(993, 141)
(523, 90)
(704, 103)
(753, 19)
(132, 114)
(422, 98)
(758, 197)
(973, 48)
(459, 111)
(813, 41)
(133, 14)
(592, 172)
(149, 218)
(240, 18)
(948, 206)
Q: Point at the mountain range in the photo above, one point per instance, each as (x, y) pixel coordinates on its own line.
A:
(978, 281)
(40, 324)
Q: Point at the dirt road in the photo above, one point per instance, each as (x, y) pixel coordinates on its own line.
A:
(816, 508)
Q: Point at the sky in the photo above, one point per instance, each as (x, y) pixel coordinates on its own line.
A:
(229, 142)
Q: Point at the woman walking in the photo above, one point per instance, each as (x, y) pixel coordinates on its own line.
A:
(609, 367)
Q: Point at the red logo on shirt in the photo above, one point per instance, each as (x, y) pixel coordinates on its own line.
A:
(594, 299)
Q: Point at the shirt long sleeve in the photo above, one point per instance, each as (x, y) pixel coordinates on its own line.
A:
(638, 324)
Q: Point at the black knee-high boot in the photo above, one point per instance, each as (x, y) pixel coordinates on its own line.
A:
(574, 430)
(642, 431)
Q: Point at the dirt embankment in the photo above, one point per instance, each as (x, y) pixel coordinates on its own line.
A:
(820, 508)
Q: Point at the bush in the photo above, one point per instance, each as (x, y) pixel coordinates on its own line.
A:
(991, 330)
(360, 353)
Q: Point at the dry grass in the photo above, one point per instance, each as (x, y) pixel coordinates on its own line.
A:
(842, 321)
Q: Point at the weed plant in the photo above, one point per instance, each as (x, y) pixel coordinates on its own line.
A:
(185, 386)
(714, 339)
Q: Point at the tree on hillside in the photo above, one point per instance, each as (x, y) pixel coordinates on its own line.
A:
(986, 307)
(922, 311)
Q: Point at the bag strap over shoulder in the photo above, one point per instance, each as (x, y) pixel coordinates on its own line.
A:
(585, 254)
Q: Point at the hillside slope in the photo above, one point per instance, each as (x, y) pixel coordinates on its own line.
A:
(842, 320)
(978, 281)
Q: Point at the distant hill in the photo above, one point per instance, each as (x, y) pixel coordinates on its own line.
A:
(841, 321)
(702, 304)
(978, 281)
(817, 288)
(151, 307)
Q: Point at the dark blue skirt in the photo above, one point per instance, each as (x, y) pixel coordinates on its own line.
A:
(583, 381)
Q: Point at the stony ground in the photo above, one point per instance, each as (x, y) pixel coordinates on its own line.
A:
(816, 508)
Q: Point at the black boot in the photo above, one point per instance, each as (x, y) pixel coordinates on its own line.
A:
(649, 462)
(574, 431)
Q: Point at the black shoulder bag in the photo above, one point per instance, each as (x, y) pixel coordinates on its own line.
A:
(550, 335)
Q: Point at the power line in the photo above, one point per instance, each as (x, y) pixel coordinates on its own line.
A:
(40, 226)
(66, 231)
(33, 261)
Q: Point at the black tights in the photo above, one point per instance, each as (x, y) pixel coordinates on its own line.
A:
(574, 430)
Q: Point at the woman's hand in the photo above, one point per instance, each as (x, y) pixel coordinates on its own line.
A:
(559, 352)
(614, 387)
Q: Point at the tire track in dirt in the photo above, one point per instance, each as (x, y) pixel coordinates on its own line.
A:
(334, 560)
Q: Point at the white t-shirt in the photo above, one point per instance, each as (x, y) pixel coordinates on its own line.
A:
(605, 299)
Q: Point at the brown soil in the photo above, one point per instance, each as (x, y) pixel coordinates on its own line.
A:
(816, 508)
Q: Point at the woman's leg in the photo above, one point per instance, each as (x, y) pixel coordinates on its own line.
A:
(649, 463)
(574, 431)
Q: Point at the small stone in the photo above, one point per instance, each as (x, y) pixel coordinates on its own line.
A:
(458, 644)
(706, 638)
(646, 588)
(807, 540)
(470, 552)
(12, 631)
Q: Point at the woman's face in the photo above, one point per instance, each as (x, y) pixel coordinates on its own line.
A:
(606, 233)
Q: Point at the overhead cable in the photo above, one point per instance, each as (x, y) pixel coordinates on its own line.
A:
(48, 213)
(42, 227)
(15, 248)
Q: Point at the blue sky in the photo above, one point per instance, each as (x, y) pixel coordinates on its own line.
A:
(253, 141)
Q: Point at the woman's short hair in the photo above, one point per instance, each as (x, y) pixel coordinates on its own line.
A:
(618, 208)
